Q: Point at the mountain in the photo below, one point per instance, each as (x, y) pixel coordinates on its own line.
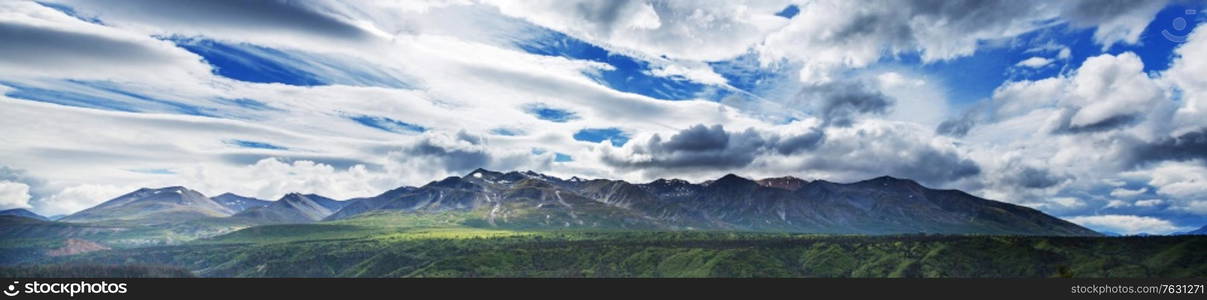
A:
(21, 212)
(149, 206)
(1200, 231)
(294, 208)
(238, 203)
(787, 182)
(883, 205)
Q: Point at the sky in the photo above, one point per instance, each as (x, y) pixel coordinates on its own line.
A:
(1094, 111)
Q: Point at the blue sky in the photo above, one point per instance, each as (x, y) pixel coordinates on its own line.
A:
(1088, 110)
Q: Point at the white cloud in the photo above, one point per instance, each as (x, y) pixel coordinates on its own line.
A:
(1110, 86)
(13, 195)
(1126, 193)
(1181, 180)
(1189, 72)
(680, 30)
(466, 77)
(1149, 202)
(1034, 62)
(1126, 224)
(56, 45)
(79, 197)
(1117, 204)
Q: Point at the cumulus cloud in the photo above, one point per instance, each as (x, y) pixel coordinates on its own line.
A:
(861, 151)
(1116, 21)
(839, 103)
(1126, 224)
(13, 195)
(1180, 180)
(702, 147)
(79, 197)
(1188, 146)
(830, 36)
(1107, 92)
(820, 103)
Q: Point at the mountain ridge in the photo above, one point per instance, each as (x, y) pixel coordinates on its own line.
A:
(527, 199)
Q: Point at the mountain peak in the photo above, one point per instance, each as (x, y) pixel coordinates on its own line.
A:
(786, 182)
(732, 180)
(887, 180)
(21, 212)
(483, 173)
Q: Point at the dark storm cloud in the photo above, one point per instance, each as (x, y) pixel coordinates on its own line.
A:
(454, 159)
(934, 166)
(696, 138)
(792, 144)
(880, 152)
(895, 156)
(1188, 146)
(1112, 123)
(958, 127)
(1030, 177)
(698, 146)
(840, 103)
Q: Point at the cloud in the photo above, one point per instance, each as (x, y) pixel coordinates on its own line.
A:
(1108, 92)
(1188, 146)
(840, 103)
(830, 36)
(404, 92)
(259, 20)
(13, 195)
(75, 198)
(1180, 180)
(1126, 224)
(464, 152)
(1034, 62)
(1149, 202)
(1036, 178)
(1117, 204)
(1108, 87)
(679, 30)
(1117, 21)
(699, 146)
(864, 150)
(1188, 72)
(1126, 193)
(53, 44)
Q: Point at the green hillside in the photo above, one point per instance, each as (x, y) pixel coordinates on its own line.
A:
(439, 245)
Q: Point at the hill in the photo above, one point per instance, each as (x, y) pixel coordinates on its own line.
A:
(149, 206)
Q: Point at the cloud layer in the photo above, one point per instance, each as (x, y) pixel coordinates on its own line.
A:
(1087, 112)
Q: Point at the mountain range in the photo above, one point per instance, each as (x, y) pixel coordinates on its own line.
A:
(882, 205)
(21, 212)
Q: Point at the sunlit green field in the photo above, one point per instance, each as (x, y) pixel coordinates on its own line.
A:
(442, 245)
